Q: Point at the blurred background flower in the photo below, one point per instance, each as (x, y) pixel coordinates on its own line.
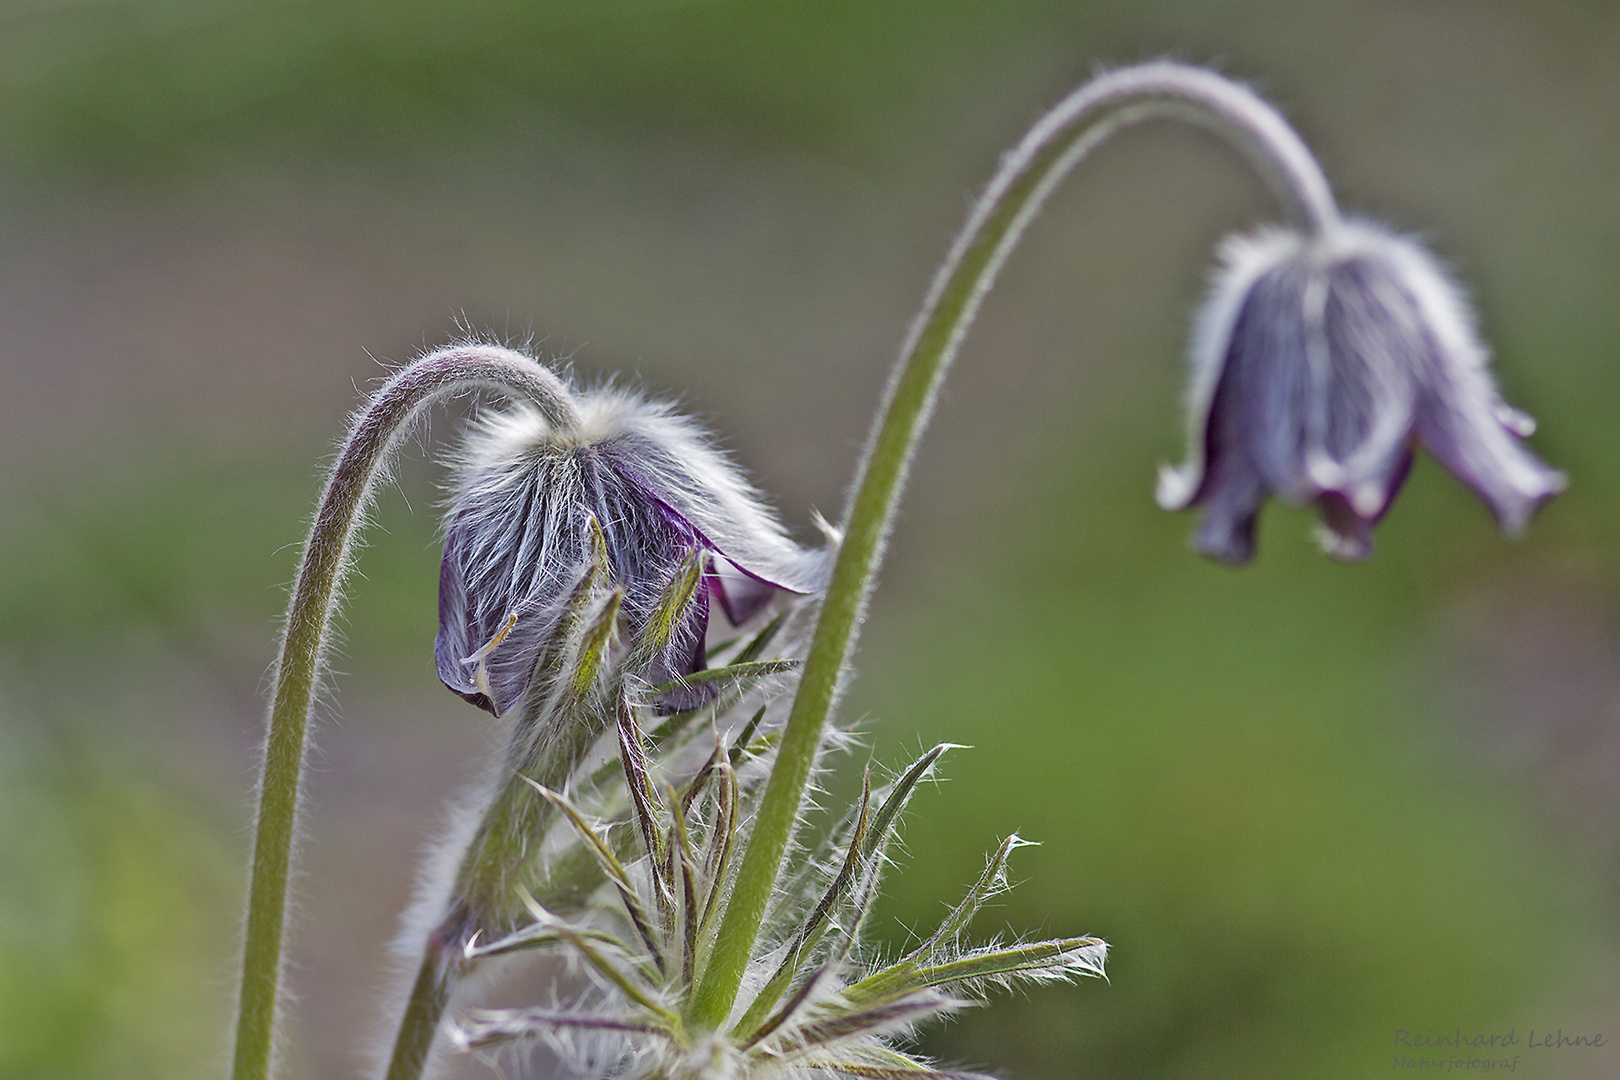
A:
(1307, 804)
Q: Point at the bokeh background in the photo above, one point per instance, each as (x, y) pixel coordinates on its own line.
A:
(1308, 804)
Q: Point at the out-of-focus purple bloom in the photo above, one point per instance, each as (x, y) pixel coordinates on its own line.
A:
(525, 501)
(1319, 364)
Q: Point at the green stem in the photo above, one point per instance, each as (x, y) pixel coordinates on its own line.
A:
(429, 995)
(492, 878)
(1028, 175)
(375, 432)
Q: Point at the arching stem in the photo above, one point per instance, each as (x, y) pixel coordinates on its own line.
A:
(375, 432)
(1027, 176)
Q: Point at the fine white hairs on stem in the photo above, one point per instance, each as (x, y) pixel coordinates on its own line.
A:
(374, 433)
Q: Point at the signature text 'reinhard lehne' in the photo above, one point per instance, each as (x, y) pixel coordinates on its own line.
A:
(1537, 1039)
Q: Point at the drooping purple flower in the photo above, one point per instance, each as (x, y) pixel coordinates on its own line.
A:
(525, 502)
(1319, 364)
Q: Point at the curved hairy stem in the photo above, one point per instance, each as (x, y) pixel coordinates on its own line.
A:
(1027, 176)
(375, 431)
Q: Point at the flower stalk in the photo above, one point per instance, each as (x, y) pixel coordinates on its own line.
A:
(1027, 177)
(327, 557)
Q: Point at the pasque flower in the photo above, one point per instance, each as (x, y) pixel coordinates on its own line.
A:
(589, 531)
(1319, 362)
(527, 499)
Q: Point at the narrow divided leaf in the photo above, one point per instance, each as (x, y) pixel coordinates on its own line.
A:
(633, 754)
(752, 669)
(610, 864)
(857, 1023)
(756, 645)
(1057, 958)
(721, 833)
(665, 617)
(536, 936)
(810, 934)
(494, 1027)
(583, 944)
(791, 1006)
(739, 746)
(899, 794)
(593, 578)
(681, 850)
(992, 882)
(593, 648)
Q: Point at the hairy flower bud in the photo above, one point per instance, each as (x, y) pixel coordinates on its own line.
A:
(527, 499)
(1319, 363)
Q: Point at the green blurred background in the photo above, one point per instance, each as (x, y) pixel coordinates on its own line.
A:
(1308, 804)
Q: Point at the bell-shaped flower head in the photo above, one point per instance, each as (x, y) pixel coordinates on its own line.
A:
(527, 501)
(1318, 364)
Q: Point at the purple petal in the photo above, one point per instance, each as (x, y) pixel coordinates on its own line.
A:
(486, 652)
(1244, 260)
(741, 594)
(1483, 454)
(1459, 415)
(742, 591)
(1233, 486)
(676, 466)
(1375, 349)
(454, 641)
(1230, 497)
(1347, 524)
(1268, 382)
(1344, 534)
